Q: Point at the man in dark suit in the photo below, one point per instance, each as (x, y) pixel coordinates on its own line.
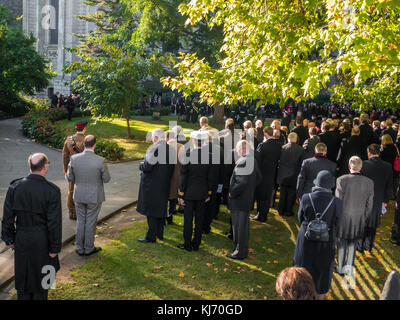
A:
(32, 226)
(302, 132)
(389, 130)
(196, 181)
(217, 155)
(70, 105)
(155, 181)
(376, 127)
(245, 178)
(380, 172)
(267, 155)
(54, 100)
(366, 133)
(352, 146)
(311, 167)
(331, 140)
(292, 157)
(310, 143)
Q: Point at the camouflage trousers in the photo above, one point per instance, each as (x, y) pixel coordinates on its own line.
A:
(70, 201)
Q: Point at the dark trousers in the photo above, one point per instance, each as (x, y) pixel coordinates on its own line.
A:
(32, 296)
(194, 208)
(70, 110)
(346, 255)
(287, 199)
(263, 205)
(171, 209)
(156, 228)
(240, 226)
(210, 211)
(367, 242)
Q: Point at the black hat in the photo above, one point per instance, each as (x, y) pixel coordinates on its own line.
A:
(324, 180)
(80, 124)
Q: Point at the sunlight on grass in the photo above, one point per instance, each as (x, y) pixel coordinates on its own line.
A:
(127, 269)
(116, 130)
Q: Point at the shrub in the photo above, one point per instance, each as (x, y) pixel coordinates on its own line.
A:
(38, 124)
(109, 149)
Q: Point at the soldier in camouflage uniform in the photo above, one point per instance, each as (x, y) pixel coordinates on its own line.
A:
(73, 145)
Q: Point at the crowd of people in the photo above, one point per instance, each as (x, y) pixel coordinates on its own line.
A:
(69, 102)
(341, 172)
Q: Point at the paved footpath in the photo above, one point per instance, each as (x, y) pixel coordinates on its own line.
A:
(121, 191)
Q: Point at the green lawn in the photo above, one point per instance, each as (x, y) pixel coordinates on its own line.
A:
(116, 130)
(127, 269)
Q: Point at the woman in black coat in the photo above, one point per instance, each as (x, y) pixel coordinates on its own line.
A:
(318, 257)
(389, 154)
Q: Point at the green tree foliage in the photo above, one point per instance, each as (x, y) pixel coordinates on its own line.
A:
(22, 69)
(132, 42)
(111, 82)
(292, 49)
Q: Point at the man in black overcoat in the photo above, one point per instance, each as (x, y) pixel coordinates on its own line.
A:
(196, 181)
(366, 133)
(389, 130)
(246, 176)
(352, 146)
(267, 155)
(380, 172)
(310, 168)
(54, 100)
(155, 180)
(302, 131)
(292, 157)
(70, 105)
(331, 140)
(33, 205)
(310, 143)
(217, 155)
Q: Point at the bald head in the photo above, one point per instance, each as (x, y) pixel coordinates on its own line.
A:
(38, 163)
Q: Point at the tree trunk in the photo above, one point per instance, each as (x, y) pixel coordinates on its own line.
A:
(218, 117)
(130, 136)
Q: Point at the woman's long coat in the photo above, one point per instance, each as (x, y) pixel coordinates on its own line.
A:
(317, 257)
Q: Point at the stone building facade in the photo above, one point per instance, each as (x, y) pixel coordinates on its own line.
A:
(53, 23)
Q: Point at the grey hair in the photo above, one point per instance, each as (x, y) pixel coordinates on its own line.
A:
(241, 144)
(355, 163)
(159, 133)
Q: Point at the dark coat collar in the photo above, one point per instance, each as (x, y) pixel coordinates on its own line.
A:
(35, 176)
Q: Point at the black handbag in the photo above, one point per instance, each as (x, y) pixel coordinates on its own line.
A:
(317, 229)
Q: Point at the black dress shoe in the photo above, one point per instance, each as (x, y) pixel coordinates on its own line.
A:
(395, 242)
(232, 256)
(182, 246)
(144, 240)
(79, 253)
(95, 250)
